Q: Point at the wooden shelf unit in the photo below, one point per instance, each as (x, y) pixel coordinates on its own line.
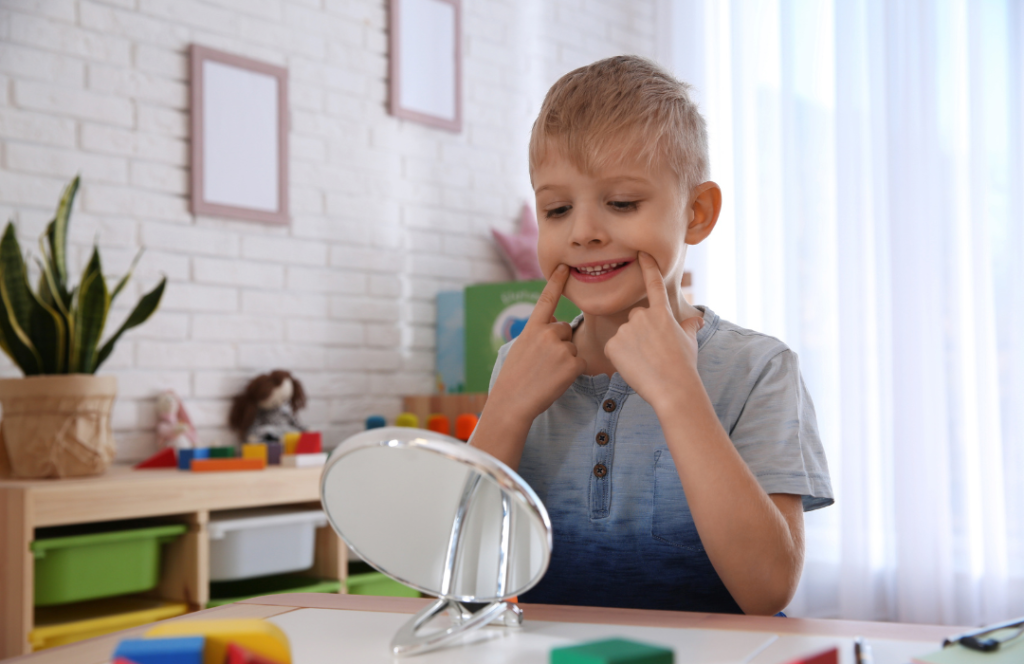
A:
(161, 494)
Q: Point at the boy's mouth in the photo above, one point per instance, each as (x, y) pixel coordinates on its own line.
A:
(599, 271)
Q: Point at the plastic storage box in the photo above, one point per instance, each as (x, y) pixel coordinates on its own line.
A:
(375, 583)
(228, 592)
(249, 543)
(91, 565)
(59, 625)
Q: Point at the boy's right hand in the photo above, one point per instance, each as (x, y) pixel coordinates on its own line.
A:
(542, 363)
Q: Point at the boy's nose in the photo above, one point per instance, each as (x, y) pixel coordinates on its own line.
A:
(587, 230)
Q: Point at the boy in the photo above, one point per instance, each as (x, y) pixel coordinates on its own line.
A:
(675, 452)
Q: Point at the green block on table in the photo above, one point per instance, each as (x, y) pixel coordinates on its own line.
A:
(612, 651)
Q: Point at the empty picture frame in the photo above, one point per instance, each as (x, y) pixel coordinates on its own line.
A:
(426, 62)
(239, 137)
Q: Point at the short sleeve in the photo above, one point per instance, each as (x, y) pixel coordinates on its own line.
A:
(502, 354)
(777, 435)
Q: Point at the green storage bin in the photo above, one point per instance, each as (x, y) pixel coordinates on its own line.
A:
(375, 583)
(227, 592)
(86, 566)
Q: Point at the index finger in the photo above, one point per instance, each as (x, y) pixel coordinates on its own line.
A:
(657, 296)
(548, 300)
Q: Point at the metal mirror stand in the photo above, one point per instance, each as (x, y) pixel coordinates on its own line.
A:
(409, 640)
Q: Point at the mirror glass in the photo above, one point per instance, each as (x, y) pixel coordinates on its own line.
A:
(408, 501)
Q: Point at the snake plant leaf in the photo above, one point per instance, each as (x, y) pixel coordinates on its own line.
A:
(127, 275)
(49, 335)
(57, 292)
(90, 316)
(57, 233)
(143, 310)
(52, 305)
(17, 301)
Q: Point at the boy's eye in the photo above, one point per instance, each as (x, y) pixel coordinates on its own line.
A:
(558, 211)
(623, 205)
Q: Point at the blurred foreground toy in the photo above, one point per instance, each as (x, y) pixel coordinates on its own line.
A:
(258, 637)
(179, 650)
(185, 457)
(612, 651)
(165, 458)
(465, 424)
(407, 420)
(439, 423)
(376, 422)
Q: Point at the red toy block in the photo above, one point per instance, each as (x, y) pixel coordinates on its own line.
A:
(239, 655)
(464, 426)
(310, 442)
(830, 656)
(165, 458)
(439, 423)
(123, 660)
(214, 465)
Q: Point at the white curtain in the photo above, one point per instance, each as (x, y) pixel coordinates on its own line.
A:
(872, 158)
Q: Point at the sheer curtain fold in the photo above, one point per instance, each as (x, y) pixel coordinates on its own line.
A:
(872, 157)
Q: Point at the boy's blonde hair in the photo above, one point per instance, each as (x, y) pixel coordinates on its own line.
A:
(625, 107)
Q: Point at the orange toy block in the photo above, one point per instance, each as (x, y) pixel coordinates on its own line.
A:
(214, 465)
(440, 424)
(259, 637)
(464, 426)
(165, 458)
(310, 442)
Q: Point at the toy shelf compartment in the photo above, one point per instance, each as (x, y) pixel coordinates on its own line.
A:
(68, 623)
(228, 592)
(245, 544)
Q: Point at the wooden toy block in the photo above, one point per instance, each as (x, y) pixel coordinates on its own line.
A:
(259, 637)
(612, 651)
(180, 649)
(274, 452)
(165, 458)
(291, 441)
(254, 451)
(239, 655)
(303, 460)
(185, 457)
(464, 426)
(407, 420)
(449, 405)
(830, 656)
(217, 465)
(375, 422)
(310, 442)
(440, 424)
(228, 452)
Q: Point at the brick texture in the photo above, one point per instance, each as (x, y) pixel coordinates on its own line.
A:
(384, 212)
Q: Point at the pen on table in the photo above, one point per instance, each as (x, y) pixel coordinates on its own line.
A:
(861, 651)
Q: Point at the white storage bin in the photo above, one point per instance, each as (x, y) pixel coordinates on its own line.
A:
(248, 543)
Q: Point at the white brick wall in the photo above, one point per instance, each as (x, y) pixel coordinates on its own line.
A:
(385, 212)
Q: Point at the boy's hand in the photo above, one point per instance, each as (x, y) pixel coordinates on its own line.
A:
(542, 363)
(652, 351)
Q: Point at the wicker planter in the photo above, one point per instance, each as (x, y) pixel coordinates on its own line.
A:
(59, 425)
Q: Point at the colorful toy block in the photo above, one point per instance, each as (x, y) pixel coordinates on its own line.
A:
(612, 651)
(465, 424)
(239, 655)
(310, 442)
(165, 458)
(440, 424)
(185, 457)
(830, 656)
(180, 649)
(291, 441)
(259, 637)
(376, 422)
(303, 460)
(218, 465)
(274, 452)
(254, 451)
(407, 420)
(228, 452)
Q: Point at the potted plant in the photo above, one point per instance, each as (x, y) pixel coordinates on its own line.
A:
(56, 420)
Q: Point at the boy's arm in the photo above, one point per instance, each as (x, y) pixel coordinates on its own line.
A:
(540, 366)
(754, 541)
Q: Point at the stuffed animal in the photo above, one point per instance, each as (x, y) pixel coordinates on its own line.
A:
(173, 425)
(267, 409)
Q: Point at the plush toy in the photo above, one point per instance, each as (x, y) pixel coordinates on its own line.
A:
(267, 409)
(173, 425)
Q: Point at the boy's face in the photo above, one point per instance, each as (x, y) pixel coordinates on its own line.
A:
(607, 218)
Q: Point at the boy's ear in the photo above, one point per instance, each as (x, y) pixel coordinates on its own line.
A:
(706, 203)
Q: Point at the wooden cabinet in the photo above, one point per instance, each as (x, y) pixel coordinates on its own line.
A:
(160, 494)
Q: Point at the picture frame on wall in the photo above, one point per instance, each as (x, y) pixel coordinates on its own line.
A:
(425, 62)
(239, 116)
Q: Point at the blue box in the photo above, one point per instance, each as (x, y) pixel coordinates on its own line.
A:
(171, 650)
(185, 457)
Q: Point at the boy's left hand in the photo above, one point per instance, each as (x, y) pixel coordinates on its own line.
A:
(652, 351)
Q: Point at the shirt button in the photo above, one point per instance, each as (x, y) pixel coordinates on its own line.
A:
(602, 438)
(600, 470)
(608, 405)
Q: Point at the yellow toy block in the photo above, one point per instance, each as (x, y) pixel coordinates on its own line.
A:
(291, 441)
(254, 451)
(257, 636)
(407, 420)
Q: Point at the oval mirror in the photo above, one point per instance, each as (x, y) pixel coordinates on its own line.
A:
(439, 516)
